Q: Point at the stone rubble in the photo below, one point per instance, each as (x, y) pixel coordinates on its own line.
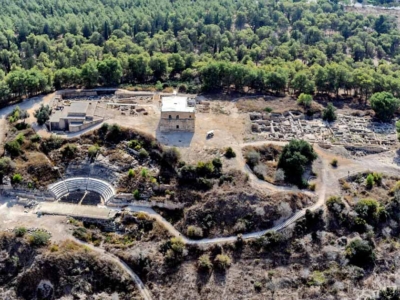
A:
(346, 130)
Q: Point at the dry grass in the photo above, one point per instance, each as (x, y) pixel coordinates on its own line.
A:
(277, 104)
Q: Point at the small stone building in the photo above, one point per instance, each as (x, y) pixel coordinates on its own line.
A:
(78, 116)
(177, 114)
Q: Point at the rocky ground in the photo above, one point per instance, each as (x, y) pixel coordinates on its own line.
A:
(58, 271)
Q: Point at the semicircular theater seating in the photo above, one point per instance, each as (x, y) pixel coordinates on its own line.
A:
(62, 188)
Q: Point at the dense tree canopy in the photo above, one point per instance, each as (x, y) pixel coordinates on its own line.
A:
(288, 46)
(384, 105)
(294, 158)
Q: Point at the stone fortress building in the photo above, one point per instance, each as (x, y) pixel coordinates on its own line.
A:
(177, 114)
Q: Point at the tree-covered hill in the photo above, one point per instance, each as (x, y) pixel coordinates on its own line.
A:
(265, 45)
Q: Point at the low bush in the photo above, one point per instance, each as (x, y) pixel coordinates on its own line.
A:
(222, 261)
(194, 232)
(360, 253)
(144, 173)
(54, 248)
(367, 209)
(39, 238)
(335, 204)
(92, 151)
(131, 173)
(204, 263)
(136, 194)
(252, 158)
(312, 186)
(171, 156)
(229, 153)
(69, 151)
(334, 163)
(369, 182)
(13, 147)
(258, 286)
(268, 109)
(143, 154)
(36, 138)
(20, 231)
(17, 178)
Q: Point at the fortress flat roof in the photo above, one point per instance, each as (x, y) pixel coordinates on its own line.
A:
(176, 103)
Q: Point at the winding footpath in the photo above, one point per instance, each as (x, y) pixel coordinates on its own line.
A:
(144, 292)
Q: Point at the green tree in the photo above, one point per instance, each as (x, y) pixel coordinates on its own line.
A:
(329, 113)
(294, 159)
(42, 115)
(360, 253)
(305, 100)
(110, 71)
(90, 73)
(385, 105)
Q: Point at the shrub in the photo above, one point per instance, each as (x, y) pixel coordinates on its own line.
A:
(131, 173)
(54, 248)
(334, 163)
(258, 286)
(367, 209)
(177, 245)
(69, 151)
(229, 153)
(136, 194)
(329, 113)
(305, 100)
(312, 186)
(222, 261)
(377, 178)
(370, 181)
(20, 138)
(134, 144)
(13, 147)
(360, 253)
(204, 183)
(42, 115)
(52, 143)
(143, 154)
(92, 151)
(17, 178)
(20, 231)
(22, 126)
(144, 173)
(36, 138)
(205, 169)
(317, 278)
(269, 239)
(335, 204)
(253, 158)
(171, 156)
(268, 109)
(217, 163)
(39, 238)
(204, 263)
(194, 232)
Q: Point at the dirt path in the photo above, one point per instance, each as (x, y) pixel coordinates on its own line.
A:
(145, 293)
